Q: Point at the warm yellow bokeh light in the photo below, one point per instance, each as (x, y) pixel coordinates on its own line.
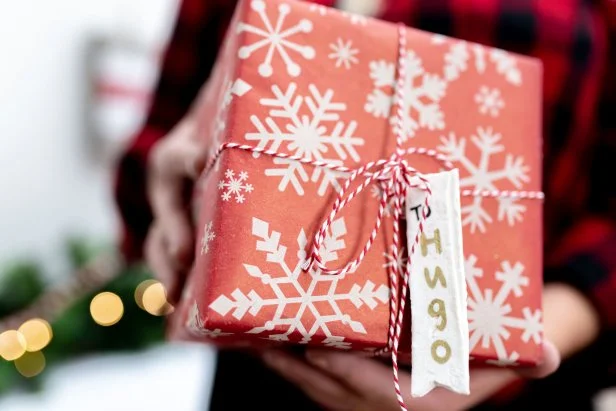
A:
(12, 345)
(106, 308)
(30, 364)
(37, 332)
(166, 309)
(141, 289)
(155, 300)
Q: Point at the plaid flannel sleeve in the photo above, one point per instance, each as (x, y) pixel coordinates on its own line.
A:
(586, 258)
(186, 65)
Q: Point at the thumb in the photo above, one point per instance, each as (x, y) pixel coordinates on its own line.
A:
(358, 373)
(180, 154)
(195, 159)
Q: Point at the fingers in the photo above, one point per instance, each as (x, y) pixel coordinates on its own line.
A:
(357, 372)
(177, 230)
(158, 259)
(316, 384)
(335, 378)
(180, 153)
(173, 160)
(375, 381)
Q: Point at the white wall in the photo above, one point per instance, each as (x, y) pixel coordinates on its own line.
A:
(50, 186)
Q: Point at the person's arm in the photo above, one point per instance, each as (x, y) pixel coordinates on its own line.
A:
(582, 266)
(186, 65)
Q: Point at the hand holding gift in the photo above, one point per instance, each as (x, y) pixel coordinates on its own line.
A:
(345, 381)
(169, 246)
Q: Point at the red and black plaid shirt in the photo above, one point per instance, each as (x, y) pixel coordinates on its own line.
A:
(576, 41)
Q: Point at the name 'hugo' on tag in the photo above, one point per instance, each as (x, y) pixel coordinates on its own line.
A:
(439, 321)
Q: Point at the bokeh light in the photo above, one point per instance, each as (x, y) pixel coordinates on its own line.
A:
(12, 345)
(106, 309)
(140, 290)
(155, 300)
(30, 364)
(37, 333)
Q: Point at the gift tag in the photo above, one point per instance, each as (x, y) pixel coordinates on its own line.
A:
(440, 347)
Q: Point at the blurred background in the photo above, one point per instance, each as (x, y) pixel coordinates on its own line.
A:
(75, 81)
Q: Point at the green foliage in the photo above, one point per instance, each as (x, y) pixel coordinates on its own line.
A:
(20, 284)
(75, 333)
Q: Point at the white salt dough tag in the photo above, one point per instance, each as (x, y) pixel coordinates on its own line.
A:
(440, 346)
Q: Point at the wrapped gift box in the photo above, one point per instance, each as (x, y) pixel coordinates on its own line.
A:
(318, 83)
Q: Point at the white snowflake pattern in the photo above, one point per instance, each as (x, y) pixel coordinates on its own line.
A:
(422, 94)
(195, 325)
(208, 237)
(459, 53)
(506, 65)
(489, 101)
(456, 61)
(230, 89)
(303, 313)
(507, 361)
(276, 38)
(355, 18)
(344, 53)
(235, 186)
(319, 8)
(482, 177)
(390, 261)
(438, 39)
(310, 127)
(490, 314)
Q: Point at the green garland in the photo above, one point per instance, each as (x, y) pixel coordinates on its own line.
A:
(74, 332)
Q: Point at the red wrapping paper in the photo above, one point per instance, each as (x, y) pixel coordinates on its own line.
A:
(318, 83)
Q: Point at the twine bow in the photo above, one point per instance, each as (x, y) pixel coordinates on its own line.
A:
(395, 177)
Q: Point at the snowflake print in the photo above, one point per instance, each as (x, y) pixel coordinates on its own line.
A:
(208, 237)
(438, 39)
(390, 261)
(506, 361)
(195, 325)
(506, 65)
(490, 314)
(305, 303)
(482, 177)
(489, 101)
(276, 39)
(480, 61)
(355, 18)
(343, 53)
(318, 8)
(307, 126)
(230, 89)
(234, 186)
(459, 55)
(456, 61)
(422, 94)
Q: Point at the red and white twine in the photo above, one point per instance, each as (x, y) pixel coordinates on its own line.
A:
(395, 177)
